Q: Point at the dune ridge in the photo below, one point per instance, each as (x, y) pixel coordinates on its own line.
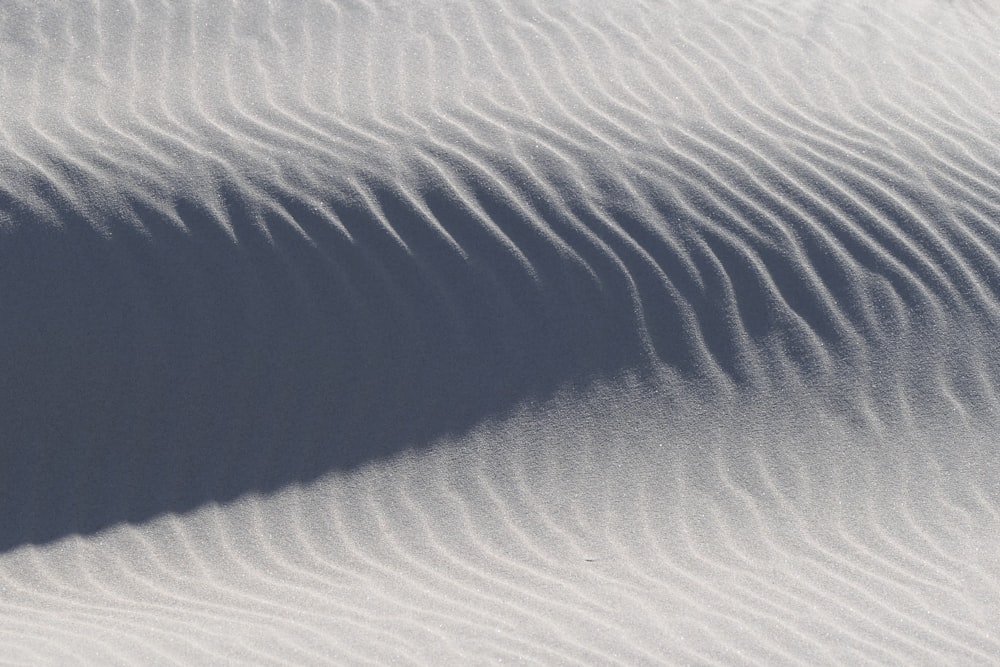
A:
(254, 256)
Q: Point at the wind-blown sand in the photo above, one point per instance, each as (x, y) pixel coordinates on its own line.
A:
(584, 332)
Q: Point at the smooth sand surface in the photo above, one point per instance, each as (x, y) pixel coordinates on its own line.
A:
(457, 333)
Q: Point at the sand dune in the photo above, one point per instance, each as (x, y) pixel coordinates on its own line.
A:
(499, 331)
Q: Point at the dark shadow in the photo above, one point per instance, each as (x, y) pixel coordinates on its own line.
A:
(153, 369)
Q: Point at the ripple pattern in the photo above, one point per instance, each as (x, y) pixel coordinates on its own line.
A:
(248, 246)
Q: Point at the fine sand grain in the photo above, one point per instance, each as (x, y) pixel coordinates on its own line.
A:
(478, 332)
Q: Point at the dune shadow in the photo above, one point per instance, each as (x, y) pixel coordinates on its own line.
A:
(190, 354)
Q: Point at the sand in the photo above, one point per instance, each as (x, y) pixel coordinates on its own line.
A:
(458, 333)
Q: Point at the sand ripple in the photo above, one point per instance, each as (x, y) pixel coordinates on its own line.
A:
(250, 246)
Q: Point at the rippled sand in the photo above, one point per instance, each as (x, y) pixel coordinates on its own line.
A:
(436, 332)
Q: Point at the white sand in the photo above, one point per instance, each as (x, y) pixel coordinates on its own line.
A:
(499, 332)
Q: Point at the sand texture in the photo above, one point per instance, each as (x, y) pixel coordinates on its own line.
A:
(385, 332)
